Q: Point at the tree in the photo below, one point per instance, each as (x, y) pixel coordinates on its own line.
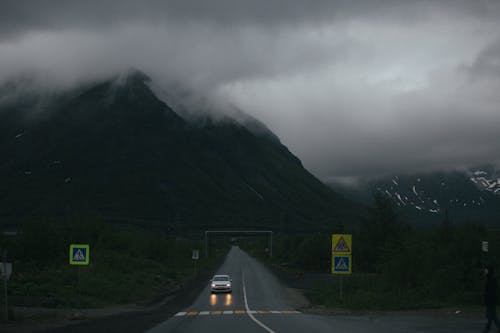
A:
(380, 232)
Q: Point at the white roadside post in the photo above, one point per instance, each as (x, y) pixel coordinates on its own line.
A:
(195, 257)
(5, 272)
(484, 253)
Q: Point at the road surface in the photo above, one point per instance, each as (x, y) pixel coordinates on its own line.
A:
(259, 303)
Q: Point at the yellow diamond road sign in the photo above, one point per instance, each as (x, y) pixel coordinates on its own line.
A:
(79, 254)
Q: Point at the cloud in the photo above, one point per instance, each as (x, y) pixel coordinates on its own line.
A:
(381, 114)
(18, 17)
(352, 88)
(487, 63)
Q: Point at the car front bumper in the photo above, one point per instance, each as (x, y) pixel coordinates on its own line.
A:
(220, 289)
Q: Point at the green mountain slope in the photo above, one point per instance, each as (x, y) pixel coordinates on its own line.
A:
(116, 150)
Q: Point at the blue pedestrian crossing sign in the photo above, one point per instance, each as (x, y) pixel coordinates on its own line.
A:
(79, 254)
(342, 264)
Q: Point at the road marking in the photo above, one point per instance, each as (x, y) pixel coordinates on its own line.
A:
(235, 312)
(248, 309)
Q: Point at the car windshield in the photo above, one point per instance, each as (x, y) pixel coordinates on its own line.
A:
(221, 278)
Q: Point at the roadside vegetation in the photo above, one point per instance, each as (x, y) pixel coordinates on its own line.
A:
(396, 266)
(127, 264)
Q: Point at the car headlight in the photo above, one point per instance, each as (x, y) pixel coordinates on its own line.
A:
(228, 285)
(213, 284)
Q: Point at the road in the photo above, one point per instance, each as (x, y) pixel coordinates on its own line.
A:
(259, 303)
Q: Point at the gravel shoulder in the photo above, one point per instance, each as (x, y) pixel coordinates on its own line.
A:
(298, 283)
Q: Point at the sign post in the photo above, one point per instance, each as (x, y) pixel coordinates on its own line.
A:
(5, 272)
(79, 254)
(484, 246)
(195, 257)
(484, 253)
(341, 257)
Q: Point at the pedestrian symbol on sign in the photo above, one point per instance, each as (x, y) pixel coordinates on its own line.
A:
(79, 254)
(342, 264)
(341, 246)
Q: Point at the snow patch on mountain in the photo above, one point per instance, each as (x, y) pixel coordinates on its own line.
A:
(435, 192)
(487, 179)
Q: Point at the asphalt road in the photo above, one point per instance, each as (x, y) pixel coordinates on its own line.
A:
(259, 303)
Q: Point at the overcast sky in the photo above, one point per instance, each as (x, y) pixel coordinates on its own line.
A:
(351, 87)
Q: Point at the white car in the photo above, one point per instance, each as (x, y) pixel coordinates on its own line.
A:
(221, 283)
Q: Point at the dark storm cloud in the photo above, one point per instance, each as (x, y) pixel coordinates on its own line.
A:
(352, 87)
(21, 16)
(487, 63)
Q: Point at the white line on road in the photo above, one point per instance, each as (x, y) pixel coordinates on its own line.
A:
(248, 309)
(204, 313)
(227, 312)
(181, 314)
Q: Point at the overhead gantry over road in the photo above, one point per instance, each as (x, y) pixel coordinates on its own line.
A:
(239, 232)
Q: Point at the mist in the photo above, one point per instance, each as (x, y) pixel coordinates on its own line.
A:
(353, 90)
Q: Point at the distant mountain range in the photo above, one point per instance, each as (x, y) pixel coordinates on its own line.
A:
(486, 177)
(467, 195)
(114, 149)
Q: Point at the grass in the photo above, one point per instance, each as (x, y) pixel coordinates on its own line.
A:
(128, 265)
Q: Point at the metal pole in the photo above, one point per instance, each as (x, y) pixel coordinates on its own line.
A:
(5, 289)
(5, 284)
(78, 289)
(341, 282)
(271, 247)
(206, 244)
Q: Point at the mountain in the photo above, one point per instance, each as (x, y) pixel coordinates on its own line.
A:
(486, 177)
(466, 195)
(115, 149)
